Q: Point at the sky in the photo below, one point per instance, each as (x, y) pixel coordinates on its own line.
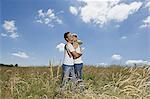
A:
(112, 31)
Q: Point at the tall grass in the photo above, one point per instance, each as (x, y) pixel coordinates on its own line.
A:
(113, 82)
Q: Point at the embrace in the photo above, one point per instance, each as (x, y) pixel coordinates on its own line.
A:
(72, 62)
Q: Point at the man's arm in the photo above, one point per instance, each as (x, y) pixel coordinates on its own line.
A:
(70, 55)
(71, 49)
(75, 55)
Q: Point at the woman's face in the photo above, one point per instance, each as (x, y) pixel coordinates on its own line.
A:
(75, 38)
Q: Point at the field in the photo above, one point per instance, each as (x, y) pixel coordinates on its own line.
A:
(114, 82)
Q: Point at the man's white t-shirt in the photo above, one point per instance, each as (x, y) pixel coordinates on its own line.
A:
(67, 59)
(78, 60)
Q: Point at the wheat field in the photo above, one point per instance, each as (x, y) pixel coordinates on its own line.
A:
(113, 82)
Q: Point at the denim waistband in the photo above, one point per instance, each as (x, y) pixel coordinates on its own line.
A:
(68, 65)
(78, 64)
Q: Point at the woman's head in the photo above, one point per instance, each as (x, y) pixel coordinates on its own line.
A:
(75, 37)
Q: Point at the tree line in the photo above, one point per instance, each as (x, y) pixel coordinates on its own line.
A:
(8, 65)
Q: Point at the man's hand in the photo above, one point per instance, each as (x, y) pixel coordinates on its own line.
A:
(75, 55)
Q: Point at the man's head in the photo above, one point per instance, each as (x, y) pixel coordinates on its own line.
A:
(75, 37)
(68, 37)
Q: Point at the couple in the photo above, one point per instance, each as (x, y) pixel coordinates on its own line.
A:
(72, 63)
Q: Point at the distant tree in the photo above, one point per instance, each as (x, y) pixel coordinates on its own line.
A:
(135, 64)
(16, 65)
(11, 65)
(1, 64)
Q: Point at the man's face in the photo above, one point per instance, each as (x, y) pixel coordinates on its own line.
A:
(70, 38)
(75, 38)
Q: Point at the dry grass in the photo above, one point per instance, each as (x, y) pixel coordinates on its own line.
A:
(113, 82)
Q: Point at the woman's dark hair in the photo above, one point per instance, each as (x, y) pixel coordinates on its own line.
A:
(75, 35)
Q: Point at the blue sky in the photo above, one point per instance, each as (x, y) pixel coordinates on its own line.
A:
(113, 31)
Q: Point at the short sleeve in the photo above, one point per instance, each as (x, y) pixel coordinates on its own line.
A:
(70, 47)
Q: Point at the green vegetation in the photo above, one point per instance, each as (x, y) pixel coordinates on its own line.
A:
(114, 82)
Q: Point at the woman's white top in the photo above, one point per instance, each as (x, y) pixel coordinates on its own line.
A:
(78, 60)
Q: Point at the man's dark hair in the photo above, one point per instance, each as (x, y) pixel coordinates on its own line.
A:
(66, 35)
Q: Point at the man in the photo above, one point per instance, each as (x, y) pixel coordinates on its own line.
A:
(68, 63)
(78, 63)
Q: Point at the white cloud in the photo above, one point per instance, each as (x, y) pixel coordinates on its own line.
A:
(101, 12)
(146, 23)
(103, 64)
(4, 35)
(82, 48)
(148, 5)
(116, 57)
(124, 37)
(137, 62)
(14, 35)
(73, 10)
(60, 47)
(124, 11)
(48, 17)
(10, 28)
(20, 54)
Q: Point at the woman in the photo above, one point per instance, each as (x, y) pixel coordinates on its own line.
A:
(78, 63)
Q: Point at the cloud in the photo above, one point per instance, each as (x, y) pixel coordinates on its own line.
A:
(100, 12)
(73, 10)
(4, 35)
(124, 11)
(20, 54)
(116, 57)
(103, 64)
(148, 5)
(124, 37)
(10, 28)
(146, 23)
(48, 18)
(60, 47)
(137, 62)
(82, 48)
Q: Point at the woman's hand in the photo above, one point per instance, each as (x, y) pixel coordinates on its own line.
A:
(75, 45)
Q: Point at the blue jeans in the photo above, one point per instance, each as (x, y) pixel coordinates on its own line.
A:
(78, 70)
(66, 70)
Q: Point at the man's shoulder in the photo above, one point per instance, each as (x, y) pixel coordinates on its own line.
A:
(70, 47)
